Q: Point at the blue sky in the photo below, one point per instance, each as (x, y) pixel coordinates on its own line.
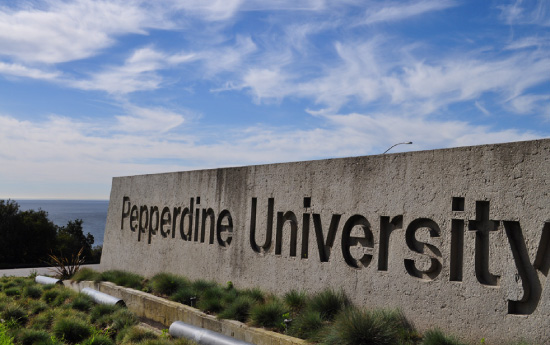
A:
(95, 89)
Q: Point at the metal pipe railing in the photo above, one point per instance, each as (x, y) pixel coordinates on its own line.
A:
(202, 336)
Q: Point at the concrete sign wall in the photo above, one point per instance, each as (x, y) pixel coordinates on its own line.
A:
(456, 238)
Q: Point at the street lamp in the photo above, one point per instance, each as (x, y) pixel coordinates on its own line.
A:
(394, 145)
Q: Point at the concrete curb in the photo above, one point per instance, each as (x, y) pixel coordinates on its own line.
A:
(165, 311)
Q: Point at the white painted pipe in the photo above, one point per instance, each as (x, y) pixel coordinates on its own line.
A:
(202, 336)
(103, 298)
(47, 280)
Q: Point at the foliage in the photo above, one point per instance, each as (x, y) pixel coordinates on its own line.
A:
(269, 315)
(25, 236)
(82, 302)
(32, 291)
(328, 303)
(65, 267)
(437, 337)
(71, 330)
(85, 273)
(356, 327)
(239, 309)
(71, 241)
(167, 283)
(29, 237)
(33, 336)
(135, 335)
(307, 325)
(121, 278)
(295, 300)
(5, 339)
(15, 313)
(98, 339)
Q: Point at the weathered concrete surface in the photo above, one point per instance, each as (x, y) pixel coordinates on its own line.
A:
(456, 238)
(165, 312)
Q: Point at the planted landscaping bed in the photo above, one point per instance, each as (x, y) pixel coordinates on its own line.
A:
(51, 314)
(326, 317)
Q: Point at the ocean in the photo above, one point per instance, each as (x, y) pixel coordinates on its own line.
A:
(92, 212)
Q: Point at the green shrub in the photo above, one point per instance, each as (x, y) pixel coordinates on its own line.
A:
(98, 339)
(295, 300)
(8, 284)
(328, 303)
(99, 311)
(202, 285)
(307, 325)
(33, 336)
(122, 278)
(256, 294)
(71, 330)
(50, 295)
(85, 273)
(184, 295)
(32, 291)
(167, 283)
(16, 314)
(239, 309)
(82, 302)
(356, 327)
(44, 320)
(211, 300)
(123, 318)
(5, 339)
(269, 315)
(62, 297)
(13, 292)
(134, 335)
(437, 337)
(37, 307)
(157, 341)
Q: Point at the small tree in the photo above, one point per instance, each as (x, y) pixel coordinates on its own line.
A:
(71, 240)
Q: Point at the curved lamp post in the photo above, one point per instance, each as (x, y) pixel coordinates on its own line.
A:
(394, 145)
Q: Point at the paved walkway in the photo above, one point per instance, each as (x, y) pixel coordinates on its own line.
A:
(25, 272)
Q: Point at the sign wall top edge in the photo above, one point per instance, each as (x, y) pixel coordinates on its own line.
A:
(535, 142)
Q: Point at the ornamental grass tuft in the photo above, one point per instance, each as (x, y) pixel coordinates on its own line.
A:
(328, 303)
(15, 314)
(296, 300)
(239, 309)
(33, 336)
(122, 278)
(32, 291)
(357, 327)
(71, 330)
(269, 315)
(307, 325)
(437, 337)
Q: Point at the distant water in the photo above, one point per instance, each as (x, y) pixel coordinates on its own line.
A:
(92, 212)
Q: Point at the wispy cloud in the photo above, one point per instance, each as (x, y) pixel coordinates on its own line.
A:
(138, 72)
(533, 12)
(18, 70)
(391, 11)
(64, 31)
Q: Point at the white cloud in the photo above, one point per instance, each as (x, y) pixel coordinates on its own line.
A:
(151, 120)
(19, 70)
(400, 11)
(531, 104)
(59, 31)
(138, 72)
(533, 12)
(227, 57)
(374, 72)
